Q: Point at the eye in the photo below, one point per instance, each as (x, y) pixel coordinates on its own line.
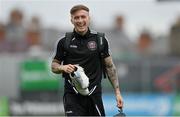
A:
(76, 18)
(83, 16)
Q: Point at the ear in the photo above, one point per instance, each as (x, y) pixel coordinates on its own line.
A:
(89, 18)
(72, 21)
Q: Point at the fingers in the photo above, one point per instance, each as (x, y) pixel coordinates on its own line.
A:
(120, 104)
(69, 68)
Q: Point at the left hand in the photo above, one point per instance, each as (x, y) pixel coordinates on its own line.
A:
(119, 100)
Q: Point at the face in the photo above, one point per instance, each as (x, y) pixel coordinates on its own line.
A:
(80, 19)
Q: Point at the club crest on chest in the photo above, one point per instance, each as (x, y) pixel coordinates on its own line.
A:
(92, 45)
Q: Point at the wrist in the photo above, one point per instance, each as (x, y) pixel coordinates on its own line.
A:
(117, 91)
(61, 68)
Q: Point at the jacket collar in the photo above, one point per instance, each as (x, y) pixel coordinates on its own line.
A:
(77, 35)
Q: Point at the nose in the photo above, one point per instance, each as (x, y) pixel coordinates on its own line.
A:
(80, 19)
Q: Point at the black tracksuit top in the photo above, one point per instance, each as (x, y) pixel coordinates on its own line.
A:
(83, 51)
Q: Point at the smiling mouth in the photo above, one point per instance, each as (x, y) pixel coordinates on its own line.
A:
(81, 27)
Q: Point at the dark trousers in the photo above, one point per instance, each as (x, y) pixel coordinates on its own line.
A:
(78, 105)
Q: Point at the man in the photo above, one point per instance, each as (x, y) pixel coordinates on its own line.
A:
(121, 45)
(83, 50)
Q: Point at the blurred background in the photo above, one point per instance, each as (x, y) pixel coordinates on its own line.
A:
(143, 37)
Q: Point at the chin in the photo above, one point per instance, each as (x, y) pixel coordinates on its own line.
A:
(81, 31)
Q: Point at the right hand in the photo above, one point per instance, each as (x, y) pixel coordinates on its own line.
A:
(68, 68)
